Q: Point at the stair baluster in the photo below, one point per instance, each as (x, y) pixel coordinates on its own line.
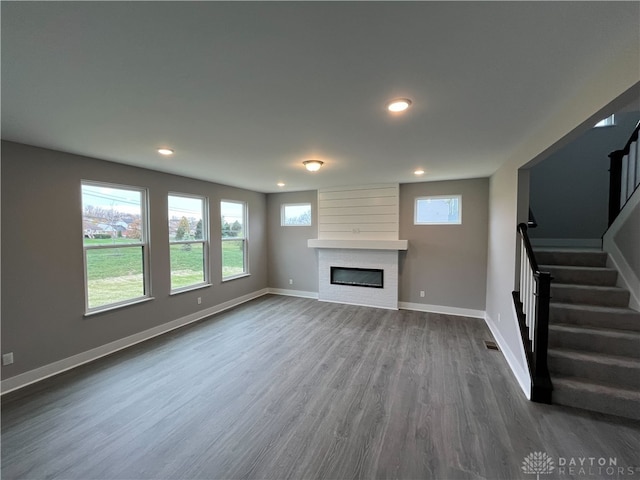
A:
(532, 307)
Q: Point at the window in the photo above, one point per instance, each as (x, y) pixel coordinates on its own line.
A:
(295, 215)
(114, 223)
(234, 239)
(438, 210)
(610, 121)
(188, 239)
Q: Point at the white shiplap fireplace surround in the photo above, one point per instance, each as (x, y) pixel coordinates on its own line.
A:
(358, 227)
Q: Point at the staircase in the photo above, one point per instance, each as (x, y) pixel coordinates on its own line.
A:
(594, 338)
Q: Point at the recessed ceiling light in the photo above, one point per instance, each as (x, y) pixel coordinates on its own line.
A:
(398, 105)
(313, 165)
(419, 172)
(165, 151)
(280, 184)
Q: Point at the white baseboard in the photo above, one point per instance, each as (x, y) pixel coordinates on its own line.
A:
(293, 293)
(566, 242)
(522, 375)
(40, 373)
(424, 307)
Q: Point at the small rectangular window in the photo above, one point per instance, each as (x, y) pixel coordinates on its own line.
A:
(234, 239)
(295, 215)
(610, 121)
(438, 210)
(188, 241)
(115, 241)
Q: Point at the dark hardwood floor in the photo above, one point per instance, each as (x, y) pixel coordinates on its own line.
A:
(293, 388)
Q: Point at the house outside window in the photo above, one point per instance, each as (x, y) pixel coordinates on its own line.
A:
(295, 215)
(188, 241)
(115, 245)
(438, 210)
(234, 239)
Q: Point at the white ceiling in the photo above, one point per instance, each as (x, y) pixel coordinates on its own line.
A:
(245, 91)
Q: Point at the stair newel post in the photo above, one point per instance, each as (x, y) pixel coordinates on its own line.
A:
(541, 340)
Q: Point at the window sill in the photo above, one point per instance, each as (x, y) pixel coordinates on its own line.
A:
(235, 277)
(111, 308)
(190, 288)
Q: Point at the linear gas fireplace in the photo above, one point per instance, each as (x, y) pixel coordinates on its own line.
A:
(358, 277)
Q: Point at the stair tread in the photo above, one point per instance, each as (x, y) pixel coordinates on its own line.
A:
(612, 332)
(617, 360)
(586, 384)
(595, 308)
(602, 288)
(577, 267)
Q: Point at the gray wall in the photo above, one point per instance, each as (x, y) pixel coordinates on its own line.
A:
(42, 259)
(289, 257)
(448, 262)
(570, 189)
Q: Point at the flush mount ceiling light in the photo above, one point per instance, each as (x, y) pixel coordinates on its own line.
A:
(313, 165)
(280, 184)
(419, 171)
(165, 151)
(398, 105)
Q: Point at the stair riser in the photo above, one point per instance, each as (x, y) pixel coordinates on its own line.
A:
(603, 278)
(593, 342)
(620, 321)
(582, 259)
(614, 375)
(596, 402)
(617, 298)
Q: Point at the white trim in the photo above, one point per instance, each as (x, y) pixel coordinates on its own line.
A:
(443, 309)
(117, 306)
(626, 277)
(566, 242)
(46, 371)
(293, 293)
(522, 376)
(359, 244)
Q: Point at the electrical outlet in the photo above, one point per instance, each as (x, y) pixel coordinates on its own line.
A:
(199, 300)
(422, 293)
(291, 281)
(7, 358)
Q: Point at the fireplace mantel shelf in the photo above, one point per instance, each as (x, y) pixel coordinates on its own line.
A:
(359, 244)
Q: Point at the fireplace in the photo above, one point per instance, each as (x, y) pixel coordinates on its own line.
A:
(358, 277)
(358, 244)
(359, 266)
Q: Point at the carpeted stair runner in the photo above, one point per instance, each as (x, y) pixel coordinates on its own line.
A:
(594, 337)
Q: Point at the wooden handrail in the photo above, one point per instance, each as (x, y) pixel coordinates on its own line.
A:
(632, 138)
(522, 228)
(532, 306)
(615, 176)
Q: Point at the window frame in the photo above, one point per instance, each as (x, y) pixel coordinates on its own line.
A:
(244, 238)
(204, 241)
(609, 121)
(437, 197)
(283, 216)
(143, 245)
